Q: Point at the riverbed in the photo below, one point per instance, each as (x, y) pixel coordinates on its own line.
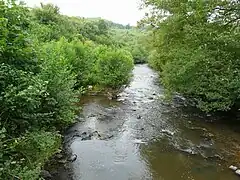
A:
(139, 136)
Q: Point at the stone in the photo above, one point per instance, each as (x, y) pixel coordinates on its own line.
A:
(90, 87)
(215, 157)
(87, 138)
(121, 99)
(207, 136)
(167, 132)
(189, 151)
(110, 136)
(139, 117)
(76, 136)
(45, 174)
(91, 134)
(96, 133)
(73, 158)
(237, 172)
(84, 134)
(106, 137)
(138, 141)
(234, 168)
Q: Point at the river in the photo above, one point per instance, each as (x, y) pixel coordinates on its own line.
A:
(141, 137)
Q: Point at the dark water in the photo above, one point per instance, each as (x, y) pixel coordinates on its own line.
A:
(141, 138)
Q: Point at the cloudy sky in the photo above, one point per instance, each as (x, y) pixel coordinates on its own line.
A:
(120, 11)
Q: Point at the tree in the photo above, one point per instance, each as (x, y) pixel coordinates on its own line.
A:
(47, 14)
(197, 50)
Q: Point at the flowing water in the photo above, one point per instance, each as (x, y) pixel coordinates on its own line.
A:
(140, 137)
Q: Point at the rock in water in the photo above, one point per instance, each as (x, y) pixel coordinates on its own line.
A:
(138, 141)
(168, 132)
(234, 168)
(73, 158)
(139, 117)
(45, 174)
(237, 172)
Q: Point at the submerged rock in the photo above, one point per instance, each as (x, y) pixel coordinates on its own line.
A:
(139, 117)
(189, 151)
(198, 128)
(207, 135)
(109, 136)
(87, 138)
(215, 157)
(84, 134)
(106, 137)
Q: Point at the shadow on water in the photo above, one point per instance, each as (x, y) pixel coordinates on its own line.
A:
(139, 136)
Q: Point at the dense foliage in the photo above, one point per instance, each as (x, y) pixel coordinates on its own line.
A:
(132, 40)
(46, 60)
(195, 45)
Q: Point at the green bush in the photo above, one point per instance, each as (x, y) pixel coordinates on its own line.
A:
(132, 40)
(23, 157)
(82, 59)
(21, 99)
(46, 59)
(57, 73)
(113, 66)
(15, 48)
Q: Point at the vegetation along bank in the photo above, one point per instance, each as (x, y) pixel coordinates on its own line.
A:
(46, 62)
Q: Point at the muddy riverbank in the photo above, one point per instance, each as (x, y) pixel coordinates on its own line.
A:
(139, 136)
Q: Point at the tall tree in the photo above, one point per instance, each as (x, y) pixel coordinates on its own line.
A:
(196, 47)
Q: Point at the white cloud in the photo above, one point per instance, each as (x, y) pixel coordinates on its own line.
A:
(120, 11)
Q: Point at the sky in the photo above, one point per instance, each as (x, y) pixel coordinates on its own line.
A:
(119, 11)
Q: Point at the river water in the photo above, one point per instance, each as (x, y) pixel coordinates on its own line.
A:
(140, 137)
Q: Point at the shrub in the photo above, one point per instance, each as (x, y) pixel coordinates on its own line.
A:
(21, 99)
(61, 97)
(23, 157)
(82, 59)
(113, 66)
(43, 67)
